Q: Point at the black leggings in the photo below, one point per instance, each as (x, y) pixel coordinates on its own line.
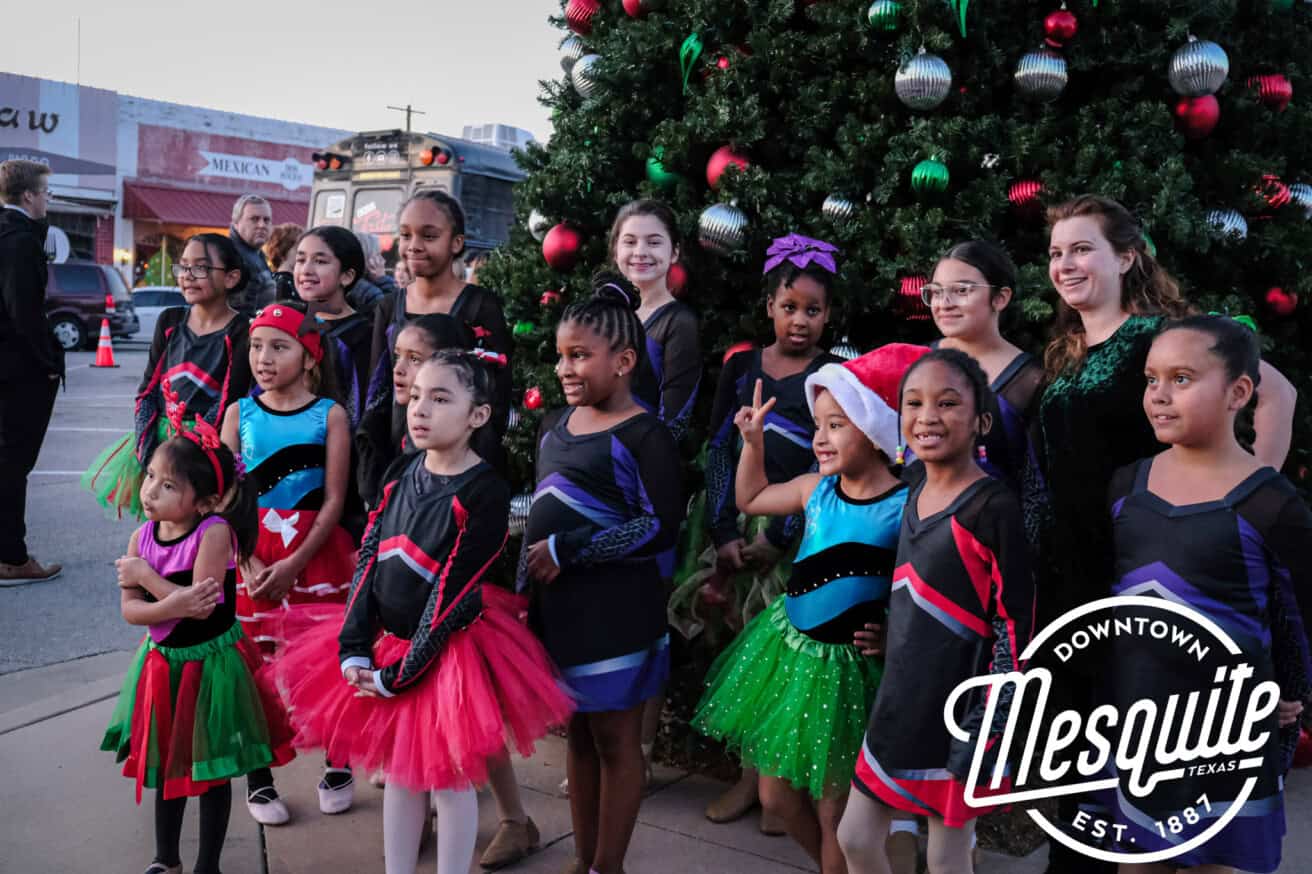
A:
(215, 806)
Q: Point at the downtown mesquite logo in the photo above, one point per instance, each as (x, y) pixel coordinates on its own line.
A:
(1180, 735)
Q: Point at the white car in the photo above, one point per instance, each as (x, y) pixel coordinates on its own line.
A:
(152, 300)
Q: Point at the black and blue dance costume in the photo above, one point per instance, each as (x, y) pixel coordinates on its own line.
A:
(608, 504)
(1245, 561)
(666, 381)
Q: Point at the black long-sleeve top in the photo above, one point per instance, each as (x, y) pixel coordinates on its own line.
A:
(420, 571)
(668, 376)
(789, 429)
(28, 351)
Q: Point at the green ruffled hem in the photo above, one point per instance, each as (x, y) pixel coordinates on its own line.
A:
(790, 706)
(230, 735)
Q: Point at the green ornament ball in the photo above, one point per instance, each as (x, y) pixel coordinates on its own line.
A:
(930, 176)
(659, 176)
(885, 15)
(523, 329)
(1282, 5)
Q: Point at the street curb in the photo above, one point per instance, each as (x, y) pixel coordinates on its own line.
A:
(57, 705)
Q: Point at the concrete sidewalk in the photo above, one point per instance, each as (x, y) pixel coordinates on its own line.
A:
(66, 809)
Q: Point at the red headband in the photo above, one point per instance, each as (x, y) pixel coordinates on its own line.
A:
(290, 320)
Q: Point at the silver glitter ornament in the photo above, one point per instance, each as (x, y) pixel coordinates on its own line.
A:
(845, 350)
(538, 225)
(583, 75)
(1228, 223)
(571, 49)
(923, 82)
(519, 507)
(1300, 195)
(1198, 67)
(1041, 75)
(838, 209)
(722, 228)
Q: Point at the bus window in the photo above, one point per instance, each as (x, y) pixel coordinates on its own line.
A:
(329, 208)
(378, 211)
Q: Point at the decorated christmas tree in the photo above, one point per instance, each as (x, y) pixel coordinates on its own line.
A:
(897, 128)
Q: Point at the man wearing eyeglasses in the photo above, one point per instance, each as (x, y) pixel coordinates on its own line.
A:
(31, 362)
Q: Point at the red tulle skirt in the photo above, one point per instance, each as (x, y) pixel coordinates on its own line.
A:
(493, 688)
(325, 580)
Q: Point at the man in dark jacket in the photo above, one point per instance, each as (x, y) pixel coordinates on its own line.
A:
(252, 222)
(31, 362)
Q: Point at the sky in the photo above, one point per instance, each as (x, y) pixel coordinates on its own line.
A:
(326, 62)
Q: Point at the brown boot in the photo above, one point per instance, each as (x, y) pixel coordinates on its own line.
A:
(736, 801)
(512, 842)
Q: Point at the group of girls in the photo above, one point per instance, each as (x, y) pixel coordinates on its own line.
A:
(910, 518)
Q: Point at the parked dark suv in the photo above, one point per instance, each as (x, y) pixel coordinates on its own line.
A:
(75, 304)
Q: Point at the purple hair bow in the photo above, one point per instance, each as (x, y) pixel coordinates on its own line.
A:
(801, 252)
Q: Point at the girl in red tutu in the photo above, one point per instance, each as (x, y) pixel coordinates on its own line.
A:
(295, 440)
(196, 708)
(432, 674)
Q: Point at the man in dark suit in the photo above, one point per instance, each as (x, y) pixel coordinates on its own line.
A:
(31, 362)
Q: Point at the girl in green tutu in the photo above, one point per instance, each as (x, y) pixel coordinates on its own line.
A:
(197, 707)
(791, 694)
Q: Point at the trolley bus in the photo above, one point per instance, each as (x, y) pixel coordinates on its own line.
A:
(361, 182)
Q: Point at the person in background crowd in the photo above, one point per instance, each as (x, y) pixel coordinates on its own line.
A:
(31, 362)
(280, 251)
(370, 288)
(474, 263)
(252, 224)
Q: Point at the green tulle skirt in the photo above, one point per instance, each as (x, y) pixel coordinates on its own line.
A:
(790, 706)
(188, 718)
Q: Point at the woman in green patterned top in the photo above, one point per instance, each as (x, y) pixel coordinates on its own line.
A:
(1114, 297)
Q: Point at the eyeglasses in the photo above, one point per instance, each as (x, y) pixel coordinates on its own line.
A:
(195, 271)
(957, 292)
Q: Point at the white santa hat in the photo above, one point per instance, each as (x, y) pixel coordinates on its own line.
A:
(866, 390)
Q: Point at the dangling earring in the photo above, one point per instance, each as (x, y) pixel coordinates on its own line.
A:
(982, 454)
(901, 457)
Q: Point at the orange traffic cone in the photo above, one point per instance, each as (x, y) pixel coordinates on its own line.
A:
(104, 348)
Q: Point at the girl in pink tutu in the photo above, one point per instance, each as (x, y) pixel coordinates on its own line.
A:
(432, 674)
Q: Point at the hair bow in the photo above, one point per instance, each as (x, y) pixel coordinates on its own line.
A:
(1247, 321)
(488, 356)
(801, 252)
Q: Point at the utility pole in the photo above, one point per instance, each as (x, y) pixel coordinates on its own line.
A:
(409, 111)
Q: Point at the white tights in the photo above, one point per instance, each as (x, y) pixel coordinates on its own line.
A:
(404, 813)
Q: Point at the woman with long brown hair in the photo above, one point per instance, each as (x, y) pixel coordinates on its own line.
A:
(1114, 297)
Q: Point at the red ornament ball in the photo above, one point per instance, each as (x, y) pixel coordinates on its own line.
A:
(1273, 89)
(1023, 195)
(1273, 191)
(578, 15)
(560, 247)
(1059, 28)
(635, 8)
(722, 159)
(532, 398)
(910, 305)
(550, 298)
(1281, 302)
(1196, 117)
(676, 280)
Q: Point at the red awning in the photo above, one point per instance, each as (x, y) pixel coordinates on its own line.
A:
(170, 204)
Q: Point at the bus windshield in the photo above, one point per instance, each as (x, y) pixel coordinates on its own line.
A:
(378, 211)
